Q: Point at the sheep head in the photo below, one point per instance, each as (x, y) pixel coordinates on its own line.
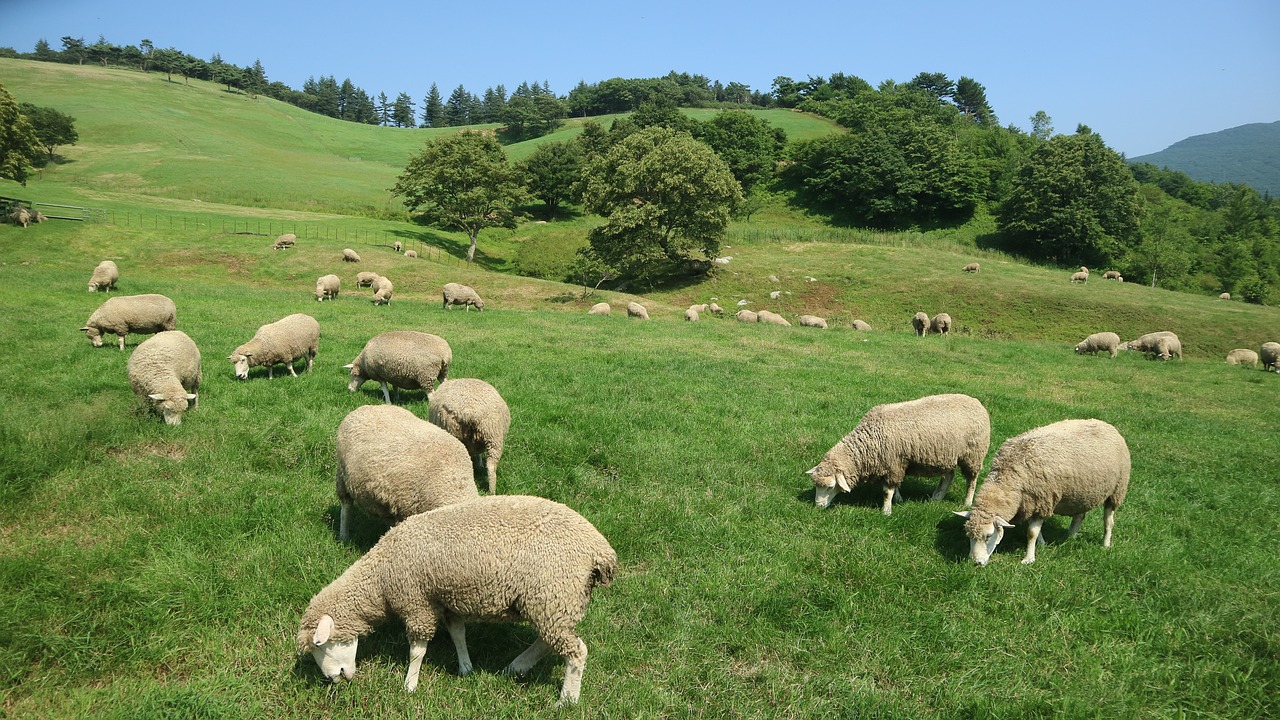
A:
(985, 532)
(94, 335)
(240, 363)
(172, 406)
(827, 481)
(357, 379)
(336, 658)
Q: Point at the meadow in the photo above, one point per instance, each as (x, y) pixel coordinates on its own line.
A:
(151, 571)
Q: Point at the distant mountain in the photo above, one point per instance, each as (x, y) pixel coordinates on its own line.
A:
(1247, 154)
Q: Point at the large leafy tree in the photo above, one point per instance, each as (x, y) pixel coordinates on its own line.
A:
(749, 145)
(20, 149)
(666, 198)
(53, 127)
(552, 171)
(462, 182)
(1073, 200)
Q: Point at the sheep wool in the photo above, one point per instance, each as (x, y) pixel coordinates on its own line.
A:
(349, 255)
(715, 309)
(284, 242)
(474, 412)
(457, 294)
(1067, 468)
(1161, 344)
(365, 279)
(1103, 341)
(283, 341)
(164, 372)
(930, 436)
(411, 253)
(398, 246)
(1111, 275)
(813, 321)
(602, 308)
(972, 268)
(1080, 277)
(1225, 296)
(382, 290)
(1269, 353)
(402, 359)
(941, 324)
(691, 315)
(747, 316)
(104, 277)
(124, 314)
(771, 318)
(636, 310)
(538, 563)
(920, 321)
(1242, 356)
(861, 325)
(327, 287)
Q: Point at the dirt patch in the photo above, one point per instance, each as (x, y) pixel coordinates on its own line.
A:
(169, 450)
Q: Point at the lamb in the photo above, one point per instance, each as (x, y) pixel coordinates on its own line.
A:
(456, 294)
(636, 310)
(972, 268)
(382, 290)
(349, 255)
(715, 309)
(941, 324)
(1067, 468)
(393, 464)
(1111, 275)
(402, 359)
(327, 287)
(920, 322)
(411, 253)
(1269, 353)
(691, 315)
(747, 316)
(1108, 341)
(473, 411)
(771, 318)
(365, 279)
(398, 246)
(602, 308)
(1162, 344)
(283, 341)
(861, 325)
(1225, 296)
(284, 242)
(104, 277)
(1080, 277)
(164, 372)
(539, 563)
(1241, 356)
(124, 314)
(930, 436)
(813, 321)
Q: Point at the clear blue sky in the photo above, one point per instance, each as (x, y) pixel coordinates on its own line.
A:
(1142, 74)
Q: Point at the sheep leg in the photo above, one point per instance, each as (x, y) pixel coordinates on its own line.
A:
(344, 522)
(889, 493)
(527, 659)
(1108, 521)
(386, 396)
(121, 343)
(1033, 537)
(311, 361)
(1076, 521)
(292, 372)
(458, 631)
(575, 663)
(271, 372)
(417, 651)
(491, 469)
(944, 484)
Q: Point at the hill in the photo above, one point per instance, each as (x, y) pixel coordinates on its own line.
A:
(1248, 154)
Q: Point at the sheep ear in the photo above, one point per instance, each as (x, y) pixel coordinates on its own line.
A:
(1003, 523)
(248, 355)
(191, 396)
(811, 470)
(84, 329)
(323, 630)
(964, 514)
(232, 358)
(348, 366)
(156, 396)
(843, 482)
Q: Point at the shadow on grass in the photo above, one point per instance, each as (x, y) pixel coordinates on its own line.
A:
(446, 247)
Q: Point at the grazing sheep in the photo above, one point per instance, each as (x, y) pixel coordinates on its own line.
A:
(1108, 341)
(398, 246)
(382, 290)
(124, 314)
(392, 464)
(602, 308)
(411, 253)
(502, 558)
(920, 322)
(1084, 270)
(1241, 356)
(284, 242)
(22, 216)
(1080, 277)
(456, 294)
(1225, 296)
(164, 372)
(812, 321)
(473, 411)
(1162, 344)
(402, 359)
(349, 255)
(747, 316)
(775, 294)
(283, 341)
(743, 302)
(1067, 468)
(941, 324)
(972, 268)
(861, 325)
(1111, 275)
(365, 279)
(700, 307)
(104, 277)
(636, 310)
(930, 436)
(327, 287)
(715, 309)
(691, 315)
(771, 318)
(1269, 353)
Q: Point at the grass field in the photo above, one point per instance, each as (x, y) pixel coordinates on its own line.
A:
(150, 571)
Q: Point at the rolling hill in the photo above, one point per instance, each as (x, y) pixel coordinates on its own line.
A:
(1248, 154)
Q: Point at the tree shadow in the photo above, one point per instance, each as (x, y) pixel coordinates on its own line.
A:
(457, 250)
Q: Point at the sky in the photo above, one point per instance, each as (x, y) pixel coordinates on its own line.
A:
(1143, 74)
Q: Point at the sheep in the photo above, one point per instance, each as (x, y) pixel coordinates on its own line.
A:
(715, 309)
(539, 562)
(124, 314)
(774, 295)
(601, 308)
(284, 242)
(1067, 468)
(398, 246)
(1108, 341)
(930, 436)
(813, 321)
(164, 372)
(1162, 344)
(700, 307)
(747, 316)
(1241, 356)
(941, 324)
(349, 255)
(392, 464)
(411, 253)
(636, 310)
(972, 268)
(22, 216)
(1080, 277)
(382, 290)
(473, 411)
(327, 287)
(1084, 270)
(861, 325)
(402, 359)
(1269, 353)
(104, 277)
(365, 279)
(772, 318)
(1225, 296)
(920, 322)
(283, 341)
(456, 294)
(691, 315)
(1111, 275)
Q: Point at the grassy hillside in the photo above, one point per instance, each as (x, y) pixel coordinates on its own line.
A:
(1247, 154)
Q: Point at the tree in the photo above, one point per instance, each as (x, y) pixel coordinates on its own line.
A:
(73, 48)
(462, 182)
(457, 110)
(533, 115)
(1041, 125)
(20, 148)
(433, 108)
(551, 172)
(748, 144)
(971, 97)
(52, 127)
(147, 48)
(402, 111)
(665, 197)
(1163, 250)
(936, 84)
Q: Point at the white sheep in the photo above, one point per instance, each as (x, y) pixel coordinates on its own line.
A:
(164, 372)
(941, 324)
(636, 310)
(601, 308)
(365, 279)
(1084, 270)
(284, 242)
(398, 246)
(1225, 296)
(1080, 277)
(1107, 341)
(1111, 275)
(22, 216)
(715, 309)
(538, 562)
(392, 464)
(104, 277)
(402, 359)
(457, 294)
(1067, 468)
(473, 411)
(1242, 356)
(327, 287)
(920, 321)
(124, 314)
(382, 290)
(349, 255)
(861, 325)
(411, 253)
(1161, 344)
(812, 321)
(700, 307)
(972, 268)
(747, 316)
(691, 315)
(1269, 353)
(772, 318)
(283, 341)
(775, 294)
(931, 436)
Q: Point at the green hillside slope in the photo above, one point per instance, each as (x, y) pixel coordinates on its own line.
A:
(1247, 154)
